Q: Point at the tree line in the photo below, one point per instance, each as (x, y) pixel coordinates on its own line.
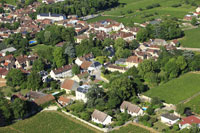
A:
(168, 29)
(78, 7)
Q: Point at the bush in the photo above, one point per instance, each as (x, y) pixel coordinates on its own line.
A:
(150, 110)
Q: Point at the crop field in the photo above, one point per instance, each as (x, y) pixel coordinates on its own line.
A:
(131, 129)
(48, 122)
(178, 89)
(191, 38)
(135, 10)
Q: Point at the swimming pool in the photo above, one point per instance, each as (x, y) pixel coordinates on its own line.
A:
(31, 42)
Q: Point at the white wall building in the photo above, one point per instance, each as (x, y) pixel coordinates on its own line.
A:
(54, 17)
(81, 93)
(169, 119)
(61, 72)
(131, 109)
(101, 117)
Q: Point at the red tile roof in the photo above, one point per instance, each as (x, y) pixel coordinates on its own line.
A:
(190, 120)
(67, 84)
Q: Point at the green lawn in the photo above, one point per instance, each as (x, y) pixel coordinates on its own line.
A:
(48, 122)
(138, 16)
(39, 46)
(131, 129)
(177, 89)
(194, 104)
(159, 126)
(191, 39)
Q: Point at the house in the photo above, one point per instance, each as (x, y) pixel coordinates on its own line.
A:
(81, 93)
(94, 66)
(54, 17)
(133, 61)
(131, 109)
(85, 65)
(188, 121)
(25, 62)
(44, 100)
(3, 72)
(80, 38)
(114, 68)
(169, 118)
(175, 42)
(159, 42)
(101, 117)
(62, 72)
(69, 85)
(80, 77)
(10, 50)
(64, 101)
(198, 9)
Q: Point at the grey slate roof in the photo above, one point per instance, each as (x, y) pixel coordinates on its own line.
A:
(170, 116)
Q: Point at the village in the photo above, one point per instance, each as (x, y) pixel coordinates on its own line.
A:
(74, 89)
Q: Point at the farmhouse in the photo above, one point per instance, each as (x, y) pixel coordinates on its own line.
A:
(101, 117)
(132, 109)
(69, 85)
(169, 119)
(54, 17)
(64, 71)
(81, 93)
(188, 121)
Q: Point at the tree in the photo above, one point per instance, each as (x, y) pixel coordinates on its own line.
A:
(119, 43)
(95, 97)
(150, 110)
(54, 85)
(85, 116)
(75, 69)
(19, 108)
(133, 45)
(59, 57)
(34, 81)
(15, 78)
(38, 65)
(194, 21)
(142, 35)
(70, 50)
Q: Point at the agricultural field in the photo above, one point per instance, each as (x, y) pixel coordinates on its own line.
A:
(178, 89)
(191, 38)
(135, 10)
(48, 122)
(131, 129)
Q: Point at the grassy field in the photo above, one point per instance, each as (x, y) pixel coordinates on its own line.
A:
(177, 89)
(137, 15)
(39, 47)
(191, 38)
(131, 129)
(194, 104)
(48, 122)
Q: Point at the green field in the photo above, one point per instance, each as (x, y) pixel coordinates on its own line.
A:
(194, 104)
(191, 39)
(138, 16)
(48, 122)
(131, 129)
(178, 89)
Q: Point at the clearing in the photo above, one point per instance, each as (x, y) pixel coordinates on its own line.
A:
(191, 38)
(177, 90)
(48, 122)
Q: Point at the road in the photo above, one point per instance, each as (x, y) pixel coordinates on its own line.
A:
(189, 49)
